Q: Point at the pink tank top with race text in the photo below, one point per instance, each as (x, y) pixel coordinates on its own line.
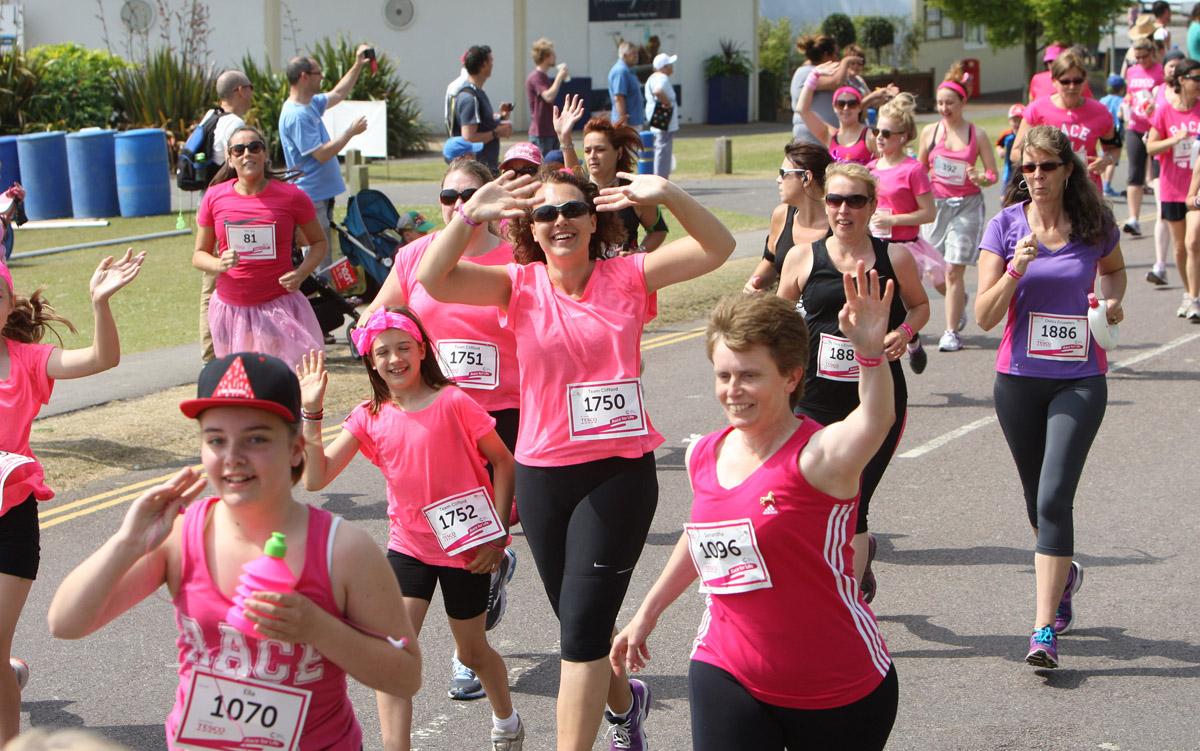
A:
(782, 599)
(948, 168)
(857, 152)
(206, 642)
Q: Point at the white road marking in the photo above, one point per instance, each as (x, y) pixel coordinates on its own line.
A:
(962, 430)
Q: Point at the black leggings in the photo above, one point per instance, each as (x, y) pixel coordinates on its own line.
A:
(586, 525)
(726, 717)
(1049, 425)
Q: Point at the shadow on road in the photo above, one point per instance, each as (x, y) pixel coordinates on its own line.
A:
(53, 714)
(992, 555)
(542, 679)
(344, 505)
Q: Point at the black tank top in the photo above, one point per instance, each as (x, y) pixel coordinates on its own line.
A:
(821, 300)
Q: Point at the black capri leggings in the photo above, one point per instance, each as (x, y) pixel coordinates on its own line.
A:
(1135, 147)
(1049, 425)
(586, 525)
(726, 717)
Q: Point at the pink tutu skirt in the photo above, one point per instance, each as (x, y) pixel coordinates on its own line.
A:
(285, 327)
(930, 264)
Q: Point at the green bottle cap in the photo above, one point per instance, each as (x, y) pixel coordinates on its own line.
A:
(276, 547)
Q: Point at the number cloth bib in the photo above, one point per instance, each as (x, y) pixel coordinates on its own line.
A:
(237, 714)
(251, 242)
(605, 409)
(470, 364)
(464, 521)
(726, 555)
(1058, 337)
(835, 360)
(950, 171)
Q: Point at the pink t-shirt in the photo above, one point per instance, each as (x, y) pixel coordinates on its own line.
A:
(425, 456)
(897, 191)
(261, 227)
(478, 354)
(949, 168)
(22, 395)
(1042, 84)
(1176, 162)
(786, 604)
(207, 642)
(563, 344)
(1139, 94)
(1084, 125)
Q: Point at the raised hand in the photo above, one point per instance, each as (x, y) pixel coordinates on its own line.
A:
(313, 380)
(150, 518)
(111, 275)
(571, 113)
(1025, 252)
(506, 198)
(864, 317)
(642, 190)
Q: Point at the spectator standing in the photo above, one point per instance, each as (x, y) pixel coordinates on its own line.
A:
(1193, 33)
(474, 118)
(1161, 10)
(541, 90)
(307, 145)
(624, 88)
(660, 90)
(237, 96)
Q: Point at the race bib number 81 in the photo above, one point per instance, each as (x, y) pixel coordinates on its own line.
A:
(251, 242)
(237, 714)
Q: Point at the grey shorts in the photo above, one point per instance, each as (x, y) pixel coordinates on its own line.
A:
(957, 229)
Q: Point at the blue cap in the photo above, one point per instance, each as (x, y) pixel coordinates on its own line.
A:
(1115, 81)
(553, 156)
(457, 146)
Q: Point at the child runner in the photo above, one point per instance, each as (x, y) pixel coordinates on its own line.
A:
(28, 370)
(446, 523)
(905, 201)
(1005, 141)
(332, 624)
(1113, 101)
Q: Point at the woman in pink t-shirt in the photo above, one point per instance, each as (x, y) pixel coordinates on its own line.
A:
(1174, 130)
(1140, 80)
(585, 453)
(851, 140)
(28, 370)
(788, 655)
(245, 231)
(342, 617)
(448, 522)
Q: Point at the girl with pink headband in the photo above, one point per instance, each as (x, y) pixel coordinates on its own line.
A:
(448, 523)
(849, 141)
(28, 370)
(950, 149)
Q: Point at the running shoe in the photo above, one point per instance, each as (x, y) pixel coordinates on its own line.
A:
(1108, 191)
(629, 733)
(1155, 277)
(950, 342)
(464, 684)
(21, 669)
(1182, 310)
(1043, 649)
(502, 741)
(1065, 615)
(917, 359)
(497, 597)
(1193, 311)
(868, 582)
(1133, 227)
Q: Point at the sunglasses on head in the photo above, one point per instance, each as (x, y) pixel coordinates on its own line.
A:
(569, 210)
(254, 147)
(1071, 81)
(1030, 167)
(846, 103)
(449, 196)
(855, 201)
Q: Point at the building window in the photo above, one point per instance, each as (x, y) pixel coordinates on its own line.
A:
(973, 36)
(940, 26)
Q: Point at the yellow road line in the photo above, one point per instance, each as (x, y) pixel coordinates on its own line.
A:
(66, 512)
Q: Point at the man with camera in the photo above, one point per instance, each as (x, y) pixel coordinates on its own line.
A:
(474, 119)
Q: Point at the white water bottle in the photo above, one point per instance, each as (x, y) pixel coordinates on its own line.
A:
(1106, 334)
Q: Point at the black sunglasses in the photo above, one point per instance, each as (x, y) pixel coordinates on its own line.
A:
(885, 132)
(1029, 168)
(568, 210)
(846, 103)
(254, 147)
(1070, 81)
(856, 201)
(449, 196)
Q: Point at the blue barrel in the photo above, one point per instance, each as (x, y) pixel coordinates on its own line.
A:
(646, 155)
(143, 172)
(10, 163)
(93, 167)
(45, 175)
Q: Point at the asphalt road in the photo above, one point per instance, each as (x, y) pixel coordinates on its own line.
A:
(954, 569)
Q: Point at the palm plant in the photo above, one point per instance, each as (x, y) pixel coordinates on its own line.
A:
(18, 85)
(167, 91)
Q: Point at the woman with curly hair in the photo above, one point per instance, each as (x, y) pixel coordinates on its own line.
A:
(585, 450)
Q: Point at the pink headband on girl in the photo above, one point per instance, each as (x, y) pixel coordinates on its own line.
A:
(381, 320)
(954, 86)
(847, 90)
(6, 275)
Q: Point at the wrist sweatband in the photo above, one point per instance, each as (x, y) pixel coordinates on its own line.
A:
(868, 362)
(470, 222)
(990, 176)
(1012, 271)
(908, 330)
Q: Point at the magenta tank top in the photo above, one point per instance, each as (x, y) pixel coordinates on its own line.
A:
(776, 564)
(948, 167)
(207, 643)
(857, 152)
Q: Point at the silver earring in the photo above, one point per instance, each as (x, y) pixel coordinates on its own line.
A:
(1023, 186)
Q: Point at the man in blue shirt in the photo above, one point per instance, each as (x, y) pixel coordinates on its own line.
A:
(307, 145)
(624, 88)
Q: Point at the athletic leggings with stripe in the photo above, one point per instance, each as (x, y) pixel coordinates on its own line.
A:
(1049, 425)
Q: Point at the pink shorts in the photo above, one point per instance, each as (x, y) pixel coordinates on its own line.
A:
(930, 264)
(285, 327)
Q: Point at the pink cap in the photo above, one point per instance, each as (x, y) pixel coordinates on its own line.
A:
(1016, 111)
(524, 150)
(1052, 53)
(6, 275)
(847, 90)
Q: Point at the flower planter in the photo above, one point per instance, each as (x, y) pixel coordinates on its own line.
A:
(728, 100)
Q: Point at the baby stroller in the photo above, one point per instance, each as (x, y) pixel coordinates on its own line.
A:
(369, 239)
(328, 305)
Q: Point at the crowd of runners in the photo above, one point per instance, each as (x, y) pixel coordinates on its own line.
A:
(502, 380)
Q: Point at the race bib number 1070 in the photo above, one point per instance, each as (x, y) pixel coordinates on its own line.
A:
(228, 713)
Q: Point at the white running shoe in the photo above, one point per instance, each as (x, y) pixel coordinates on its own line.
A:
(1193, 311)
(1182, 310)
(21, 669)
(950, 342)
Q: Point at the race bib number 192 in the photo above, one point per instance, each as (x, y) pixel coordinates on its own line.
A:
(228, 713)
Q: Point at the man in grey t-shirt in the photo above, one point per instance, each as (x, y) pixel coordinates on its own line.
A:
(474, 118)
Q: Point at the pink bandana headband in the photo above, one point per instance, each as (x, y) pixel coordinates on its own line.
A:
(381, 320)
(954, 86)
(847, 90)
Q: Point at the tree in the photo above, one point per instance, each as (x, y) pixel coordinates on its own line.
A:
(841, 28)
(1010, 23)
(877, 33)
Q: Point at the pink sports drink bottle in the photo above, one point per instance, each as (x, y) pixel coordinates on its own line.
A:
(267, 573)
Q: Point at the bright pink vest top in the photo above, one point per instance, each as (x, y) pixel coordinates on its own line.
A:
(857, 152)
(808, 641)
(207, 641)
(941, 188)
